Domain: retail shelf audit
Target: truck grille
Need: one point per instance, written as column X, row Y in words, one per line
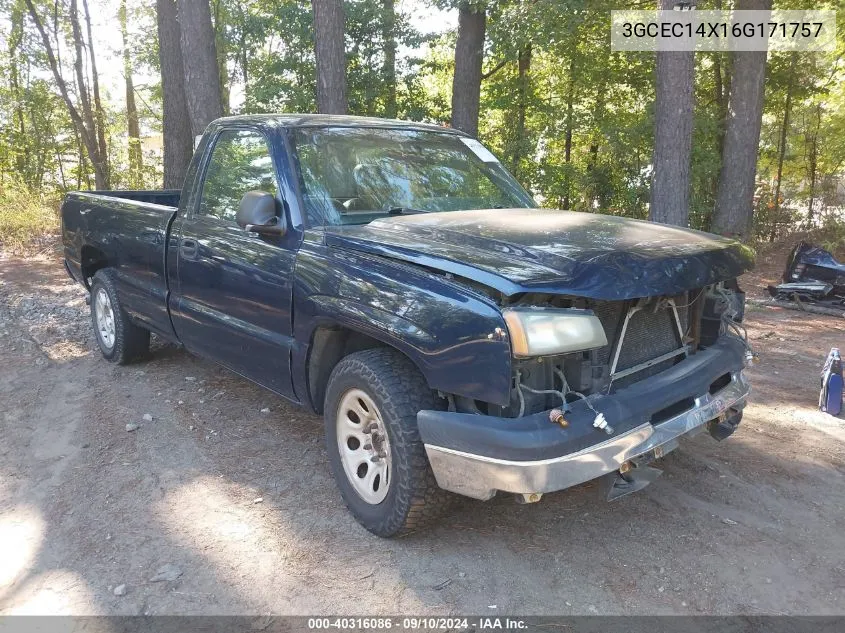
column 650, row 334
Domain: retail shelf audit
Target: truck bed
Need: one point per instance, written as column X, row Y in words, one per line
column 125, row 231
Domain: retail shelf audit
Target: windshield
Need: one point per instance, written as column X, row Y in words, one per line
column 355, row 175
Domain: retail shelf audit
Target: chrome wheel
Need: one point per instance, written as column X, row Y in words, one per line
column 104, row 317
column 364, row 446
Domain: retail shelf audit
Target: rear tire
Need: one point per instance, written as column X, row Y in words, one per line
column 411, row 500
column 120, row 341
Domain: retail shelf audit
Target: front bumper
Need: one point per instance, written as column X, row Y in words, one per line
column 503, row 460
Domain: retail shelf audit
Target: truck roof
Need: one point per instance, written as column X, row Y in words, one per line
column 330, row 120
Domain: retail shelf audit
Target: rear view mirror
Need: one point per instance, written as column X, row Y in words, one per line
column 259, row 213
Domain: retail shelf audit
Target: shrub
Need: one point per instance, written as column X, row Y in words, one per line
column 26, row 218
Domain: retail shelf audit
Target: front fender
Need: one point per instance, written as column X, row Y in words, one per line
column 442, row 327
column 380, row 324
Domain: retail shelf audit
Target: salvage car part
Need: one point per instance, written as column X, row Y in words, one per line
column 830, row 398
column 812, row 274
column 803, row 290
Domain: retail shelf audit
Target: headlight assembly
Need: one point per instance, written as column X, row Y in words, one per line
column 549, row 331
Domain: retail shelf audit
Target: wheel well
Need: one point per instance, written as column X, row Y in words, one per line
column 328, row 346
column 93, row 260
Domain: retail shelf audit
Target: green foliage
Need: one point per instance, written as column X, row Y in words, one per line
column 576, row 89
column 271, row 44
column 39, row 145
column 573, row 120
column 25, row 217
column 428, row 93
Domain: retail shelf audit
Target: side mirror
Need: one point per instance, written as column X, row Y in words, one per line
column 258, row 213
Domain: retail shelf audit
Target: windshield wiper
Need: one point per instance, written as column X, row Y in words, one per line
column 405, row 211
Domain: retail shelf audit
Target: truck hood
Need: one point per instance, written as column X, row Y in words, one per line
column 545, row 250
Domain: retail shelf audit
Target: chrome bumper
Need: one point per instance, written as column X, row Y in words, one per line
column 480, row 477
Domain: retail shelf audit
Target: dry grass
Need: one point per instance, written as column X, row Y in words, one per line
column 27, row 220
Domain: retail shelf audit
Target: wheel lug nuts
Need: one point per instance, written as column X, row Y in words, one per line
column 375, row 458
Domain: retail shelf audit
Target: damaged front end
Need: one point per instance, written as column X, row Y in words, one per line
column 660, row 367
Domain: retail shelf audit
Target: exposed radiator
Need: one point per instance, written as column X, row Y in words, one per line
column 649, row 334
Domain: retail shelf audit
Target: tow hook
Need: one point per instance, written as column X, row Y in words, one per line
column 723, row 427
column 631, row 478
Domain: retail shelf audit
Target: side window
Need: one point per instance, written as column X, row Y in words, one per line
column 240, row 162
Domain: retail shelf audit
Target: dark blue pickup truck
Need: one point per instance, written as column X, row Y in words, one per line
column 395, row 278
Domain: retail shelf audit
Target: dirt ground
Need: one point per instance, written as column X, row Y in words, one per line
column 238, row 505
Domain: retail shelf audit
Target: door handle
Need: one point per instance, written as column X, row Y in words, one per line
column 189, row 249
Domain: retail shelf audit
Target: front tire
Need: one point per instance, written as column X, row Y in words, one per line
column 374, row 447
column 120, row 341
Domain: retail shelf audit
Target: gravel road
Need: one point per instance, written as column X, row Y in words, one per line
column 220, row 502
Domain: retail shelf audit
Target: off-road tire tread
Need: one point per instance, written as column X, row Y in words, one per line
column 400, row 391
column 131, row 342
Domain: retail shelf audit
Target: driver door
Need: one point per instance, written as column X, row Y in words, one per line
column 234, row 290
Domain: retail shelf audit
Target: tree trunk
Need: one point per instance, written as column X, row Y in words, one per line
column 813, row 166
column 81, row 84
column 784, row 131
column 469, row 57
column 735, row 195
column 84, row 126
column 222, row 54
column 523, row 86
column 176, row 121
column 329, row 48
column 242, row 54
column 389, row 68
column 567, row 139
column 673, row 123
column 136, row 157
column 720, row 95
column 94, row 132
column 81, row 163
column 721, row 100
column 15, row 41
column 60, row 163
column 99, row 113
column 199, row 61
